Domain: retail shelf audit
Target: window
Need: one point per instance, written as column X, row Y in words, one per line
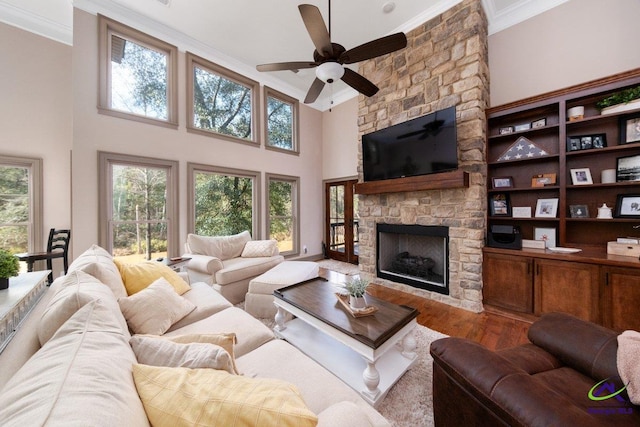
column 138, row 75
column 281, row 121
column 223, row 201
column 283, row 226
column 138, row 206
column 20, row 204
column 221, row 102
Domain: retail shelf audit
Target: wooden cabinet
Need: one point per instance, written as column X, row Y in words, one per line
column 621, row 298
column 511, row 282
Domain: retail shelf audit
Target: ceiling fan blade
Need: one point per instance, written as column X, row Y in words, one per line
column 280, row 66
column 374, row 48
column 317, row 29
column 314, row 91
column 359, row 83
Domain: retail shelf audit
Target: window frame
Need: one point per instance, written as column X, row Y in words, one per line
column 295, row 196
column 295, row 120
column 193, row 168
column 36, row 217
column 105, row 196
column 192, row 61
column 108, row 27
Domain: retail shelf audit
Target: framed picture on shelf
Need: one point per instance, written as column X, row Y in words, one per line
column 506, row 130
column 502, row 182
column 573, row 143
column 630, row 128
column 499, row 205
column 521, row 211
column 581, row 176
column 540, row 123
column 546, row 208
column 543, row 180
column 586, row 142
column 520, row 128
column 546, row 234
column 628, row 168
column 628, row 206
column 579, row 211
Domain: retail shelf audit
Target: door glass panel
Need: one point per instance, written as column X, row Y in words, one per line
column 336, row 220
column 356, row 224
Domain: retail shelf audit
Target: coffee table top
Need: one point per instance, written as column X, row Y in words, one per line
column 317, row 298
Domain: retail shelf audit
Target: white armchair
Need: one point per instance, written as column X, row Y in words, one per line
column 228, row 263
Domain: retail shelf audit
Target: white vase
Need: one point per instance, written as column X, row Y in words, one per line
column 357, row 303
column 631, row 105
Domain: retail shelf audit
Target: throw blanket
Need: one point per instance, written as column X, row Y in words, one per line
column 628, row 360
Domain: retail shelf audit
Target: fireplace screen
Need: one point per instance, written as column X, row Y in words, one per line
column 415, row 255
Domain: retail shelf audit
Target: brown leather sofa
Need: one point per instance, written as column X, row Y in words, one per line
column 543, row 383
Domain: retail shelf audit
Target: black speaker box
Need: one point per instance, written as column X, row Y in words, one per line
column 504, row 236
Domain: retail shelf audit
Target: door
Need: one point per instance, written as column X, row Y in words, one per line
column 341, row 221
column 508, row 282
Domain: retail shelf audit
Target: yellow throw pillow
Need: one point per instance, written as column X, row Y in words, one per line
column 175, row 397
column 138, row 276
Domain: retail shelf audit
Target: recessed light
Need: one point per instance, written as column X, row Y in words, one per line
column 388, row 7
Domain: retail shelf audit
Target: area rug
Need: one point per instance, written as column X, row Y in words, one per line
column 339, row 266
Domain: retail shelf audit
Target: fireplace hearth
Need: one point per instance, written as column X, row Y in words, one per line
column 415, row 255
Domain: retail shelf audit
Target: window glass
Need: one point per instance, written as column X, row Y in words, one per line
column 283, row 213
column 281, row 121
column 15, row 200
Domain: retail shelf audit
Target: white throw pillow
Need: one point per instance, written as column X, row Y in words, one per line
column 222, row 247
column 260, row 248
column 154, row 309
column 156, row 351
column 99, row 263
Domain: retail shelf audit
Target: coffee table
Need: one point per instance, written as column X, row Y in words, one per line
column 368, row 353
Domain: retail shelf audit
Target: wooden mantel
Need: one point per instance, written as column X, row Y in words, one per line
column 436, row 181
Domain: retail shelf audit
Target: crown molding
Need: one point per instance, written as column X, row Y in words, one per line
column 34, row 23
column 437, row 9
column 515, row 13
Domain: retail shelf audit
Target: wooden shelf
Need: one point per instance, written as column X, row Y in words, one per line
column 436, row 181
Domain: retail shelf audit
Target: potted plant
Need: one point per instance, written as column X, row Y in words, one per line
column 623, row 100
column 9, row 266
column 356, row 288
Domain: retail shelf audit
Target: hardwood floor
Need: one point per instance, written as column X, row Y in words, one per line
column 491, row 329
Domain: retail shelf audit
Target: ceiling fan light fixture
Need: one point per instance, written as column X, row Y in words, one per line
column 329, row 72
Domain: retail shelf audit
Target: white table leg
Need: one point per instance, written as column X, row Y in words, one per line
column 409, row 345
column 280, row 316
column 371, row 379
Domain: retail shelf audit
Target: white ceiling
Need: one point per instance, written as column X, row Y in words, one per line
column 241, row 34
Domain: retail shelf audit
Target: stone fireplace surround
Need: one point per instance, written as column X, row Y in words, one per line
column 445, row 64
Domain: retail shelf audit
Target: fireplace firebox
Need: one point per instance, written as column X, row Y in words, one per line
column 416, row 255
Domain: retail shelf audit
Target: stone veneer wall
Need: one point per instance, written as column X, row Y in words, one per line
column 445, row 64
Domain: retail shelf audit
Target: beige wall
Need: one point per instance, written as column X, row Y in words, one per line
column 93, row 132
column 35, row 115
column 576, row 42
column 340, row 141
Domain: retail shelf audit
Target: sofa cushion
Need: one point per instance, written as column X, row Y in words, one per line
column 223, row 247
column 157, row 351
column 99, row 263
column 225, row 340
column 72, row 292
column 260, row 248
column 82, row 376
column 251, row 333
column 237, row 269
column 207, row 302
column 138, row 276
column 187, row 397
column 154, row 309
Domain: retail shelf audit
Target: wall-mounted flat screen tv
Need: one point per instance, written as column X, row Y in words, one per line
column 420, row 146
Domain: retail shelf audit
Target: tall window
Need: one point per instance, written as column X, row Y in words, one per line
column 284, row 211
column 139, row 215
column 221, row 102
column 138, row 75
column 223, row 201
column 20, row 204
column 281, row 121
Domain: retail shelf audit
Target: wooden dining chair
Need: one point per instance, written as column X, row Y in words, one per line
column 57, row 247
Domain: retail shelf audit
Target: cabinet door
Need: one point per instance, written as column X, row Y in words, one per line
column 567, row 287
column 508, row 282
column 621, row 298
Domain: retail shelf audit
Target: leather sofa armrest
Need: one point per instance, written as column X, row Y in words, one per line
column 204, row 263
column 584, row 346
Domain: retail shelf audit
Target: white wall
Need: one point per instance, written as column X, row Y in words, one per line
column 576, row 42
column 36, row 115
column 93, row 132
column 340, row 141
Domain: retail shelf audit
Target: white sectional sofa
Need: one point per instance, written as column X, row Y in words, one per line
column 228, row 263
column 72, row 362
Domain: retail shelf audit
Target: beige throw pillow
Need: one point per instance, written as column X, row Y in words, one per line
column 156, row 351
column 154, row 309
column 260, row 248
column 222, row 247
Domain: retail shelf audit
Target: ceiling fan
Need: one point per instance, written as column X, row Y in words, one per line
column 329, row 57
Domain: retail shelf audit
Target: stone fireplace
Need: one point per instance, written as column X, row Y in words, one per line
column 445, row 64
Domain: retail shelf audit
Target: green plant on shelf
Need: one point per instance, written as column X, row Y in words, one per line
column 621, row 97
column 9, row 264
